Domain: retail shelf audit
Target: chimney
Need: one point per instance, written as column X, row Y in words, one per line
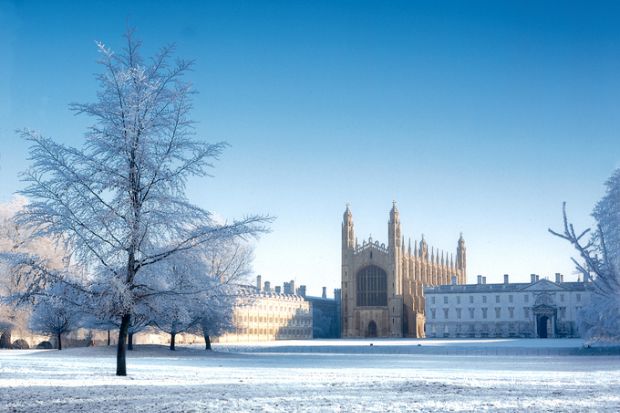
column 454, row 280
column 558, row 277
column 484, row 280
column 278, row 289
column 292, row 283
column 506, row 279
column 532, row 278
column 537, row 277
column 337, row 294
column 301, row 291
column 480, row 279
column 586, row 278
column 267, row 287
column 324, row 295
column 259, row 283
column 561, row 277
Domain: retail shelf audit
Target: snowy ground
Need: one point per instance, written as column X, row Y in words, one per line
column 321, row 375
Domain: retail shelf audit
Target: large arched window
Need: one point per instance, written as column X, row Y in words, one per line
column 371, row 287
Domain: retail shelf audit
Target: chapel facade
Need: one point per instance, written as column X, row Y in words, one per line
column 383, row 286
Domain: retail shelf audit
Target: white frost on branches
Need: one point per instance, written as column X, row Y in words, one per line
column 118, row 203
column 599, row 251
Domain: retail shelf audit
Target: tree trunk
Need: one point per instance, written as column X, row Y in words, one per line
column 5, row 339
column 207, row 342
column 121, row 362
column 130, row 341
column 59, row 341
column 108, row 337
column 172, row 336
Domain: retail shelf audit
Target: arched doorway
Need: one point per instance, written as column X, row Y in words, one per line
column 372, row 329
column 542, row 322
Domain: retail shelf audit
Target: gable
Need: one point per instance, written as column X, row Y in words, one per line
column 543, row 285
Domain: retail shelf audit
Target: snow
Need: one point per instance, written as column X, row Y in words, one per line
column 318, row 375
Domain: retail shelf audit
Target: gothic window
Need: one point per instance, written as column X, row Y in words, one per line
column 371, row 287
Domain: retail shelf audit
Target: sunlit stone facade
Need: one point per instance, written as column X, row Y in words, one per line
column 261, row 315
column 538, row 309
column 382, row 286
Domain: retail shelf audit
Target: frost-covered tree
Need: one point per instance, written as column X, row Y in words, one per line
column 58, row 312
column 216, row 317
column 228, row 267
column 119, row 201
column 182, row 285
column 599, row 252
column 17, row 240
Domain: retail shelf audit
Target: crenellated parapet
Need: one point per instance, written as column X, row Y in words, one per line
column 359, row 249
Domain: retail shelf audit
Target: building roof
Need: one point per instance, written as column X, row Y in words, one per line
column 543, row 284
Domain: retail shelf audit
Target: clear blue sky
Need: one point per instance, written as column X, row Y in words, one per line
column 479, row 117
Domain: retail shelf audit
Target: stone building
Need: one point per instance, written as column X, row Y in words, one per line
column 325, row 315
column 540, row 308
column 263, row 314
column 382, row 286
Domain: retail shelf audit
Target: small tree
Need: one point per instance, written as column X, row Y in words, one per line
column 57, row 313
column 119, row 201
column 217, row 317
column 16, row 241
column 228, row 267
column 599, row 251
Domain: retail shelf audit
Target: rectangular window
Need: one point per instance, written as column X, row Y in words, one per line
column 484, row 313
column 484, row 299
column 526, row 312
column 433, row 300
column 432, row 313
column 526, row 298
column 471, row 299
column 446, row 313
column 498, row 312
column 562, row 297
column 471, row 313
column 562, row 312
column 458, row 313
column 511, row 312
column 445, row 299
column 578, row 297
column 458, row 299
column 497, row 298
column 510, row 298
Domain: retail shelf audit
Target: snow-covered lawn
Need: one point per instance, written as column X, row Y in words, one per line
column 320, row 375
